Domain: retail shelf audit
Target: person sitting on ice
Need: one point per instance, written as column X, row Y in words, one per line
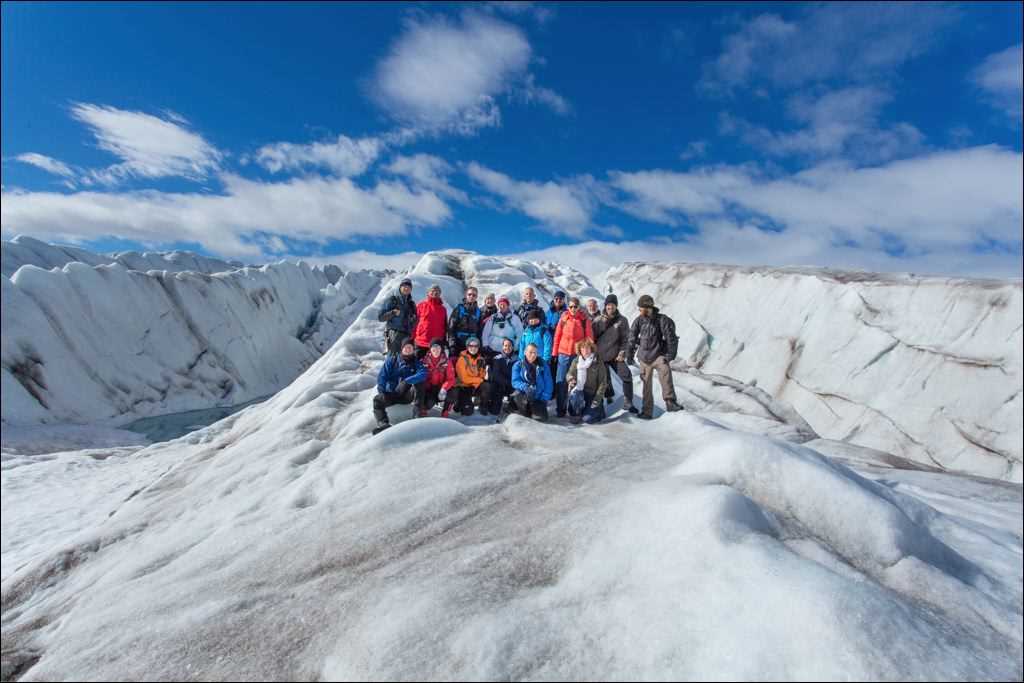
column 531, row 380
column 397, row 382
column 504, row 324
column 465, row 380
column 499, row 381
column 432, row 390
column 587, row 381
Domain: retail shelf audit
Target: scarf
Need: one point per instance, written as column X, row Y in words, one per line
column 582, row 364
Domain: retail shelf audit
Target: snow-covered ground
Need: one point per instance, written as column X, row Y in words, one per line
column 107, row 344
column 286, row 542
column 924, row 368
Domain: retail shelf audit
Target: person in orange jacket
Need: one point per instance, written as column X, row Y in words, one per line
column 432, row 320
column 574, row 326
column 465, row 380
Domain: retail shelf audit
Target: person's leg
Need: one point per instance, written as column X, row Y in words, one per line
column 486, row 398
column 591, row 414
column 668, row 391
column 465, row 404
column 609, row 391
column 539, row 411
column 561, row 388
column 576, row 404
column 452, row 398
column 380, row 402
column 519, row 398
column 647, row 377
column 622, row 370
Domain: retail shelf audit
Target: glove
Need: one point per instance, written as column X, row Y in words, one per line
column 395, row 313
column 595, row 404
column 571, row 382
column 402, row 387
column 621, row 357
column 442, row 394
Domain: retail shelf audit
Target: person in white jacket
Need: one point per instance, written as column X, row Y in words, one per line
column 504, row 324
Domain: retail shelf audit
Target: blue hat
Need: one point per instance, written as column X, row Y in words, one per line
column 559, row 294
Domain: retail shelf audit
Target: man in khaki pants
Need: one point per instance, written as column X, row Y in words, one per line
column 653, row 342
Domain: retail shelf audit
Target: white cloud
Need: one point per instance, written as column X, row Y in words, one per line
column 48, row 164
column 563, row 209
column 829, row 40
column 1001, row 77
column 956, row 199
column 843, row 121
column 344, row 156
column 534, row 93
column 427, row 171
column 149, row 146
column 446, row 75
column 694, row 150
column 311, row 208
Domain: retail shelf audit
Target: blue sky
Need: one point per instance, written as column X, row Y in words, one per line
column 884, row 137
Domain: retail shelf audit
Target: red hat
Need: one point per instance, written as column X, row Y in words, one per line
column 503, row 298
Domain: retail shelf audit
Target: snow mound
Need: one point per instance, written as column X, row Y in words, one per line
column 285, row 542
column 928, row 369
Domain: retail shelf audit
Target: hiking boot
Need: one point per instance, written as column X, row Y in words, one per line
column 445, row 412
column 633, row 409
column 672, row 406
column 423, row 412
column 645, row 416
column 575, row 419
column 609, row 399
column 467, row 411
column 381, row 426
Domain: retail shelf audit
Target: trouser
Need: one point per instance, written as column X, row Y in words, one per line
column 493, row 395
column 427, row 397
column 462, row 398
column 382, row 401
column 536, row 409
column 393, row 341
column 621, row 368
column 647, row 370
column 580, row 404
column 561, row 388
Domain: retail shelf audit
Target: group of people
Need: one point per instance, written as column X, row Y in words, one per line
column 502, row 360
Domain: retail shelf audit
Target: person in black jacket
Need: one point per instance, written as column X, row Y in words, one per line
column 399, row 317
column 654, row 344
column 528, row 304
column 611, row 332
column 499, row 380
column 466, row 320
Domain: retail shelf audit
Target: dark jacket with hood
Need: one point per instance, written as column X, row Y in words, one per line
column 465, row 321
column 405, row 321
column 500, row 373
column 611, row 335
column 650, row 337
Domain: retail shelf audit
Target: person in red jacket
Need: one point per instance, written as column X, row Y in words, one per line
column 432, row 320
column 574, row 326
column 432, row 390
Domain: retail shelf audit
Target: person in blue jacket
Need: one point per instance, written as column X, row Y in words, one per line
column 536, row 333
column 531, row 380
column 398, row 382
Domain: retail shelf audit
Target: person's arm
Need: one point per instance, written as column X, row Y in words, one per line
column 451, row 375
column 485, row 337
column 668, row 331
column 634, row 340
column 419, row 375
column 382, row 376
column 387, row 311
column 558, row 336
column 546, row 351
column 570, row 377
column 517, row 326
column 622, row 339
column 588, row 328
column 518, row 381
column 602, row 383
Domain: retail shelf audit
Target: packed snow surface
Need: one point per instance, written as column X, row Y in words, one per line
column 920, row 367
column 286, row 542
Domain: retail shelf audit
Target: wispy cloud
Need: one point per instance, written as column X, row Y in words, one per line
column 560, row 208
column 149, row 146
column 854, row 41
column 838, row 122
column 343, row 156
column 1001, row 78
column 48, row 164
column 310, row 208
column 429, row 172
column 446, row 75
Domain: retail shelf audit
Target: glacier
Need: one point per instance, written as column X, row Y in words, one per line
column 738, row 540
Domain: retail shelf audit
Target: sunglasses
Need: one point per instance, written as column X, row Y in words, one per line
column 573, row 307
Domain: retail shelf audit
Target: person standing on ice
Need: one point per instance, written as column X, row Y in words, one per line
column 488, row 309
column 531, row 380
column 654, row 344
column 527, row 305
column 611, row 331
column 397, row 382
column 432, row 390
column 432, row 320
column 465, row 321
column 501, row 326
column 573, row 327
column 499, row 380
column 465, row 379
column 399, row 315
column 538, row 334
column 587, row 380
column 551, row 318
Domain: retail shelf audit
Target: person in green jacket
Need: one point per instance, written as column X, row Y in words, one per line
column 587, row 379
